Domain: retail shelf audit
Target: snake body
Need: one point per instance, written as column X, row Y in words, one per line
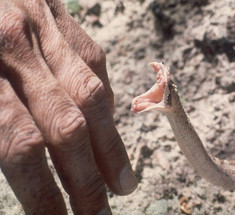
column 217, row 171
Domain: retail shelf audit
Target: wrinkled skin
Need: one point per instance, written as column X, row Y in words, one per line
column 55, row 93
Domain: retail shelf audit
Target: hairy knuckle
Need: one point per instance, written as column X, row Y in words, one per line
column 20, row 145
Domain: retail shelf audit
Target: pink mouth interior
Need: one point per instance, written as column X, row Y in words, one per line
column 154, row 95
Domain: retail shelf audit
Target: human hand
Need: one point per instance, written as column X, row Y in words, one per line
column 55, row 93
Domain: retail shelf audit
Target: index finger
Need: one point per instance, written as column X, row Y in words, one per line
column 88, row 92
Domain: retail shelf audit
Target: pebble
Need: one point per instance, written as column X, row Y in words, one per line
column 158, row 207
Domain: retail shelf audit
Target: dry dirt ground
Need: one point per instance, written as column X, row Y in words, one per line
column 197, row 40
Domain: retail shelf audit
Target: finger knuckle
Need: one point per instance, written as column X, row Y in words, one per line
column 21, row 144
column 92, row 97
column 94, row 55
column 12, row 28
column 71, row 127
column 91, row 90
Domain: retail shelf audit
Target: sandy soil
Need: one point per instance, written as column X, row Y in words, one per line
column 197, row 40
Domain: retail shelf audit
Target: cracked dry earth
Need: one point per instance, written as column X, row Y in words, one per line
column 197, row 40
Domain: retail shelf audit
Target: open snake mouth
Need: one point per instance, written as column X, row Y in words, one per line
column 156, row 98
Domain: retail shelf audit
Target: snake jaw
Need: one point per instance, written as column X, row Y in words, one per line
column 158, row 96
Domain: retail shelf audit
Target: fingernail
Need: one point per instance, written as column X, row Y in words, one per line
column 128, row 181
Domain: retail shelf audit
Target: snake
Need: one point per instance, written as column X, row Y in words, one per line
column 163, row 96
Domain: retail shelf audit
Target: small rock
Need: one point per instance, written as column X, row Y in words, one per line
column 162, row 160
column 158, row 207
column 94, row 10
column 219, row 198
column 232, row 97
column 127, row 76
column 231, row 29
column 140, row 53
column 119, row 8
column 163, row 21
column 211, row 135
column 227, row 82
column 94, row 20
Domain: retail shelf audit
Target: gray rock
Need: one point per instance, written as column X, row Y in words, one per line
column 158, row 207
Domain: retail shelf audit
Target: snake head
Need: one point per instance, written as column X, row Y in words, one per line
column 161, row 96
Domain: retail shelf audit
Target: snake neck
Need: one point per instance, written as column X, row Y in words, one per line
column 217, row 171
